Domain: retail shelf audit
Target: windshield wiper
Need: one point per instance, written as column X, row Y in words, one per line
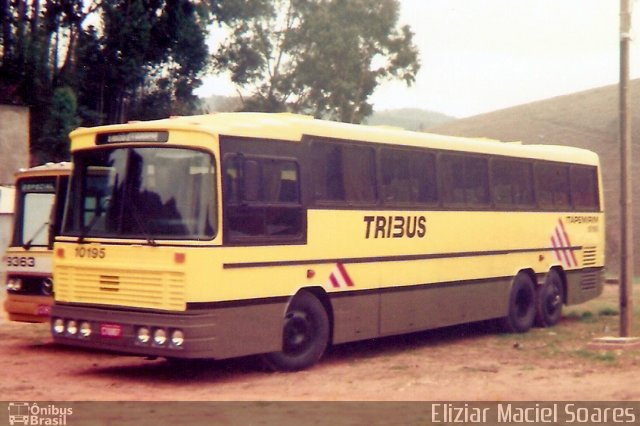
column 88, row 228
column 28, row 244
column 142, row 227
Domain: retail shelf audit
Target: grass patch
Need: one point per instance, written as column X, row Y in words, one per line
column 584, row 316
column 399, row 367
column 588, row 317
column 567, row 341
column 608, row 312
column 607, row 357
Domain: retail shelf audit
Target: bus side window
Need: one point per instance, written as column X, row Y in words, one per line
column 408, row 177
column 251, row 181
column 477, row 182
column 584, row 188
column 262, row 199
column 452, row 176
column 512, row 184
column 552, row 186
column 343, row 173
column 465, row 181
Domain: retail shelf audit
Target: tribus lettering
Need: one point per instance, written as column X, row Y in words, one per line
column 395, row 226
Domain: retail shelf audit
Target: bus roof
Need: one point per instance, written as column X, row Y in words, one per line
column 292, row 127
column 47, row 169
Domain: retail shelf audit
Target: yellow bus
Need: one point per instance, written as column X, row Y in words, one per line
column 246, row 233
column 39, row 201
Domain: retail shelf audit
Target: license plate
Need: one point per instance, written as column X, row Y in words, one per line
column 43, row 310
column 113, row 331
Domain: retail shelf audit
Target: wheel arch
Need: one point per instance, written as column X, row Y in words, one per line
column 320, row 294
column 563, row 277
column 529, row 272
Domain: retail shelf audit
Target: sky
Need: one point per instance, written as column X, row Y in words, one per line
column 484, row 55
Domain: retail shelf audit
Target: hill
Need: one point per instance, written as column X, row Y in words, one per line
column 586, row 119
column 407, row 118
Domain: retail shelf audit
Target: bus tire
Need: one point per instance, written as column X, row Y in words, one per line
column 305, row 335
column 522, row 305
column 549, row 300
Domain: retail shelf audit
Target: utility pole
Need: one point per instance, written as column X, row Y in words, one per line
column 626, row 224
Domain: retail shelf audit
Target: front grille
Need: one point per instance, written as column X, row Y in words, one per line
column 589, row 255
column 589, row 280
column 125, row 287
column 109, row 283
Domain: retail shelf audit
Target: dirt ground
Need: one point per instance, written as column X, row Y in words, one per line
column 466, row 363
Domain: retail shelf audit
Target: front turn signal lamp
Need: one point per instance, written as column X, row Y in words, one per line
column 143, row 335
column 85, row 329
column 58, row 326
column 72, row 327
column 177, row 338
column 159, row 336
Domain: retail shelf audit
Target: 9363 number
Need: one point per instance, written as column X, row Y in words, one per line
column 21, row 262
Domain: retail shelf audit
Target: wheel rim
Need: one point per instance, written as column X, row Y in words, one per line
column 298, row 333
column 553, row 300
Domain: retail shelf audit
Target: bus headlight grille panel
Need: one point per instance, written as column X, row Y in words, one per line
column 137, row 288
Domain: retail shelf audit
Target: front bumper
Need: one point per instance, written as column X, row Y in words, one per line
column 28, row 308
column 216, row 333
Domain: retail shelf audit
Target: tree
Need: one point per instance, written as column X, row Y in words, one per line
column 153, row 50
column 53, row 145
column 179, row 49
column 321, row 57
column 90, row 78
column 138, row 59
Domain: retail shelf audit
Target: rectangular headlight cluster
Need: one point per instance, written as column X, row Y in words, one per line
column 71, row 328
column 160, row 337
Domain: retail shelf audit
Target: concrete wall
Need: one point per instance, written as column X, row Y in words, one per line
column 14, row 141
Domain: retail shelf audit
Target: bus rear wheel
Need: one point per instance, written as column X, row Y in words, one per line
column 549, row 300
column 522, row 305
column 305, row 335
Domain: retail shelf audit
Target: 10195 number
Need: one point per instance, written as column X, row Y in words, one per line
column 91, row 252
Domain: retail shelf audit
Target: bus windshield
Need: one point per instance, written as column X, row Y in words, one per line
column 145, row 193
column 36, row 199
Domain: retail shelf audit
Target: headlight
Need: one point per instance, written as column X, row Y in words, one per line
column 14, row 284
column 85, row 329
column 177, row 338
column 159, row 336
column 72, row 327
column 47, row 286
column 58, row 326
column 143, row 335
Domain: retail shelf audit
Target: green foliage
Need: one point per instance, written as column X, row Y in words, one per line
column 608, row 311
column 606, row 356
column 136, row 59
column 153, row 51
column 62, row 119
column 320, row 57
column 91, row 62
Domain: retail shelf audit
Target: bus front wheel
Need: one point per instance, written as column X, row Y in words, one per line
column 305, row 335
column 549, row 300
column 522, row 305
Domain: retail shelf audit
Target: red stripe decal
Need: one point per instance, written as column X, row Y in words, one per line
column 333, row 280
column 563, row 246
column 573, row 256
column 555, row 248
column 345, row 275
